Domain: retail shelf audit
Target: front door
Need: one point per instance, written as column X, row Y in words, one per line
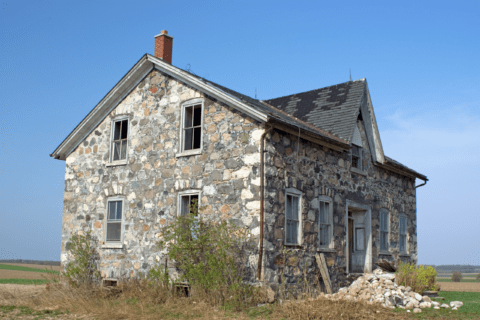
column 359, row 244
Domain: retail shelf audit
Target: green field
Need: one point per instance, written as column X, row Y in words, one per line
column 469, row 310
column 23, row 281
column 18, row 268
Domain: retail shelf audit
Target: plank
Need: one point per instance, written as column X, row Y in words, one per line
column 324, row 271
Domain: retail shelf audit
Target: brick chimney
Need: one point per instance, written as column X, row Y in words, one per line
column 163, row 46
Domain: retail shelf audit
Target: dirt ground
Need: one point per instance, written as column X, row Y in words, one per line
column 459, row 286
column 34, row 266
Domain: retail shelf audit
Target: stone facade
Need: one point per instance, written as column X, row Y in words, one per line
column 316, row 170
column 226, row 173
column 227, row 176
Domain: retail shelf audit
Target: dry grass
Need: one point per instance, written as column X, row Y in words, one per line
column 460, row 286
column 138, row 300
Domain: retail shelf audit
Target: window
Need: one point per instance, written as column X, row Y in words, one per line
column 293, row 217
column 384, row 230
column 325, row 233
column 114, row 221
column 356, row 149
column 192, row 126
column 356, row 157
column 186, row 201
column 119, row 140
column 403, row 233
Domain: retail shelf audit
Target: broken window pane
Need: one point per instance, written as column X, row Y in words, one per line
column 197, row 135
column 124, row 129
column 116, row 130
column 188, row 117
column 193, row 200
column 197, row 115
column 188, row 139
column 123, row 153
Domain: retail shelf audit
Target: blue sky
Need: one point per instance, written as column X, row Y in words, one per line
column 420, row 58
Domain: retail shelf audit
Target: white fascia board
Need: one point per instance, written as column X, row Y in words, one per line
column 103, row 108
column 371, row 127
column 209, row 89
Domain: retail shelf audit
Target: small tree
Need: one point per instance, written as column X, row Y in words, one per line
column 457, row 276
column 478, row 276
column 82, row 269
column 211, row 255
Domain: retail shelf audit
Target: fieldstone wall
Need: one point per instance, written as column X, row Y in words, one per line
column 317, row 170
column 226, row 174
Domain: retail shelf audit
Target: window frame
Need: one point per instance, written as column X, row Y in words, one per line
column 360, row 158
column 112, row 136
column 115, row 244
column 295, row 193
column 186, row 104
column 384, row 212
column 405, row 251
column 188, row 192
column 326, row 199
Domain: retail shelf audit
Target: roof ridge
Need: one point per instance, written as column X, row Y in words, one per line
column 288, row 95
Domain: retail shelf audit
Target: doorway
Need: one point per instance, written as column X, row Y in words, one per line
column 359, row 239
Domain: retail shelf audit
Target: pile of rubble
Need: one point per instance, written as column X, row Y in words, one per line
column 380, row 287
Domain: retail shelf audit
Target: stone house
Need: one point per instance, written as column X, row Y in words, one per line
column 304, row 172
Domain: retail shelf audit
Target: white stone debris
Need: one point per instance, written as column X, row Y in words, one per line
column 380, row 288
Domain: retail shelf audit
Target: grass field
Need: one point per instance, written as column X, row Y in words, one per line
column 469, row 310
column 23, row 281
column 21, row 268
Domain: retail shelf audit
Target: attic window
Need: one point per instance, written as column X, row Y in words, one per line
column 120, row 140
column 356, row 157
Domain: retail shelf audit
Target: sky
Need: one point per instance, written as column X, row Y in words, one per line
column 58, row 59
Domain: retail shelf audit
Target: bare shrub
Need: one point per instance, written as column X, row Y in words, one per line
column 478, row 277
column 457, row 276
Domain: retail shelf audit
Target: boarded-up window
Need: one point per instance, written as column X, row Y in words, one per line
column 403, row 234
column 292, row 219
column 192, row 127
column 384, row 230
column 119, row 141
column 325, row 223
column 114, row 221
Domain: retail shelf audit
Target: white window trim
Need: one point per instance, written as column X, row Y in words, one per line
column 183, row 152
column 115, row 244
column 188, row 193
column 383, row 251
column 111, row 162
column 402, row 215
column 324, row 198
column 297, row 193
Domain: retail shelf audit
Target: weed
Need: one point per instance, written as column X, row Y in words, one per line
column 82, row 268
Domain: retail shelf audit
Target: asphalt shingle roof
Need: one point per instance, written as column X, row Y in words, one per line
column 333, row 109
